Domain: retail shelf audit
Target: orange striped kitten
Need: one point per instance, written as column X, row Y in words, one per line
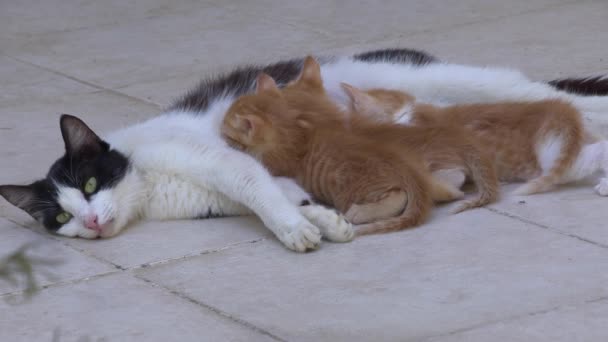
column 541, row 142
column 377, row 186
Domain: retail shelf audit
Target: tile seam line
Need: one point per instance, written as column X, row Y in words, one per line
column 158, row 263
column 62, row 283
column 118, row 268
column 87, row 83
column 538, row 225
column 514, row 318
column 69, row 246
column 210, row 308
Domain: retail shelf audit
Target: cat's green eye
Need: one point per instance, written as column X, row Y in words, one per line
column 90, row 186
column 63, row 217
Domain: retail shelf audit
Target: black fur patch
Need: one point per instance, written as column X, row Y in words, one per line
column 208, row 215
column 238, row 82
column 305, row 203
column 583, row 86
column 401, row 56
column 242, row 80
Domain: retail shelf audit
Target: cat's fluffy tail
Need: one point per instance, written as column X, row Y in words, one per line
column 590, row 86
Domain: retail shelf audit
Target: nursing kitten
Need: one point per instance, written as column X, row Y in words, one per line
column 541, row 142
column 294, row 135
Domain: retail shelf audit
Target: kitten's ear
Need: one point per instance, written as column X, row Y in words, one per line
column 248, row 125
column 360, row 101
column 266, row 83
column 79, row 139
column 21, row 196
column 311, row 73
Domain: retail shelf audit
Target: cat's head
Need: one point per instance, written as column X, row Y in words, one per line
column 88, row 192
column 381, row 105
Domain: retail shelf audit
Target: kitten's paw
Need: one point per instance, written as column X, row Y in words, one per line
column 602, row 187
column 301, row 238
column 334, row 227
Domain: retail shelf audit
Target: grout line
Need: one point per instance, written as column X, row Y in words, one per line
column 193, row 255
column 61, row 283
column 213, row 309
column 530, row 222
column 119, row 268
column 87, row 83
column 66, row 244
column 515, row 318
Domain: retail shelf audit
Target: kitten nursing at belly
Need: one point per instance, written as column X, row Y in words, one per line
column 380, row 185
column 541, row 142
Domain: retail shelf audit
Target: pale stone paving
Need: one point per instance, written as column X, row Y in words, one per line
column 530, row 269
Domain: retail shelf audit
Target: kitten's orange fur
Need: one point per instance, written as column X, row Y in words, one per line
column 370, row 176
column 513, row 132
column 376, row 186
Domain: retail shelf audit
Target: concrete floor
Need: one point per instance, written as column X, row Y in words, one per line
column 517, row 271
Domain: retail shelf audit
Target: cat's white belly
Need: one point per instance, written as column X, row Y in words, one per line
column 172, row 197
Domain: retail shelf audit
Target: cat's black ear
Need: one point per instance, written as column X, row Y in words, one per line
column 21, row 196
column 79, row 139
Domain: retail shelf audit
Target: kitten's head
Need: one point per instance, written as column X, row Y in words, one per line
column 273, row 119
column 382, row 105
column 255, row 122
column 87, row 193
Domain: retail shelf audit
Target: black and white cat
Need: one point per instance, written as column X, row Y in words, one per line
column 177, row 166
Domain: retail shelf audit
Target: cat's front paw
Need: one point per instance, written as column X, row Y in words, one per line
column 334, row 227
column 301, row 238
column 602, row 187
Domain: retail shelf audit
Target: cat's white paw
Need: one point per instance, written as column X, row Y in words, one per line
column 301, row 238
column 602, row 187
column 334, row 227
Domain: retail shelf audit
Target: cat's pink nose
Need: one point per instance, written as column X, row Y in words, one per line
column 91, row 223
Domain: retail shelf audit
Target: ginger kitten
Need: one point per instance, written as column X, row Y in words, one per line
column 541, row 142
column 376, row 186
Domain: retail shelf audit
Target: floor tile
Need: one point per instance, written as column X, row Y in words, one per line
column 116, row 308
column 454, row 273
column 58, row 263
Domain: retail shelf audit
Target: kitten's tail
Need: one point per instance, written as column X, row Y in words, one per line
column 565, row 131
column 483, row 173
column 418, row 205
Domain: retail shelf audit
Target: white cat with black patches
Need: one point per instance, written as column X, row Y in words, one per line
column 177, row 166
column 174, row 166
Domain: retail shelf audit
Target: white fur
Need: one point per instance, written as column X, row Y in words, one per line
column 548, row 151
column 183, row 169
column 403, row 115
column 592, row 159
column 292, row 190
